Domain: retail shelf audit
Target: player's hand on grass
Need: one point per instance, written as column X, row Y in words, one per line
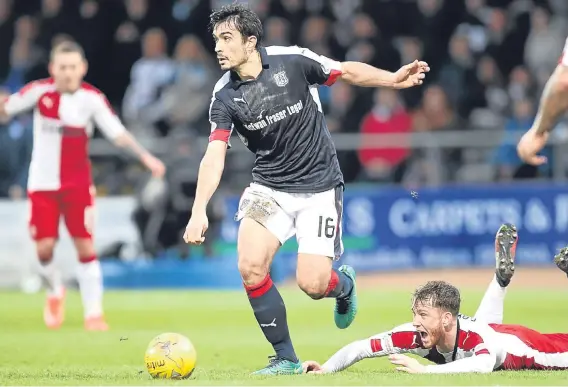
column 155, row 166
column 407, row 364
column 195, row 230
column 312, row 367
column 530, row 144
column 410, row 75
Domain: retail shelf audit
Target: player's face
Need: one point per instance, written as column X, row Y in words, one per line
column 68, row 70
column 428, row 321
column 231, row 48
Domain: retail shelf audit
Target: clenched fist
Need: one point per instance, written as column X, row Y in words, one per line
column 195, row 230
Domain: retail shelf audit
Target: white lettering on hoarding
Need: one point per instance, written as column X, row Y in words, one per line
column 561, row 207
column 537, row 218
column 407, row 218
column 360, row 217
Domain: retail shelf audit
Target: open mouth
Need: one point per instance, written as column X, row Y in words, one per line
column 423, row 334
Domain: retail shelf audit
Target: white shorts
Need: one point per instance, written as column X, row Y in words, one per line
column 315, row 218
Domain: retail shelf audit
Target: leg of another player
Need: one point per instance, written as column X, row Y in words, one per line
column 89, row 276
column 490, row 309
column 256, row 249
column 53, row 313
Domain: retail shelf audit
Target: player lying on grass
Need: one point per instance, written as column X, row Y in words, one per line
column 457, row 343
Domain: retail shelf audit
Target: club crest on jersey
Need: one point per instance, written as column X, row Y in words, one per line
column 47, row 102
column 280, row 78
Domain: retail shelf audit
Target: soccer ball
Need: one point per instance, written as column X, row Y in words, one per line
column 170, row 356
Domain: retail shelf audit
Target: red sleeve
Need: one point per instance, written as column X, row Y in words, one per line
column 468, row 340
column 472, row 341
column 400, row 340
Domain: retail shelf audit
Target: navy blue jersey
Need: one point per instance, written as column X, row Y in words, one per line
column 278, row 116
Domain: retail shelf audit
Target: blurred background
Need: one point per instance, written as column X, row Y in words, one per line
column 451, row 142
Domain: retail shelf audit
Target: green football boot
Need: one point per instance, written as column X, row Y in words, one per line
column 279, row 366
column 346, row 307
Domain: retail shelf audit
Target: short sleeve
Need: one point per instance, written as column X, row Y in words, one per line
column 105, row 118
column 221, row 122
column 402, row 339
column 27, row 98
column 318, row 69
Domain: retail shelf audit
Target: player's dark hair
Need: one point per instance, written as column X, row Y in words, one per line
column 68, row 46
column 241, row 17
column 438, row 294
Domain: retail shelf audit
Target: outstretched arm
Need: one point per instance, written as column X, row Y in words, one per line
column 25, row 99
column 361, row 74
column 109, row 123
column 348, row 355
column 553, row 102
column 402, row 339
column 321, row 70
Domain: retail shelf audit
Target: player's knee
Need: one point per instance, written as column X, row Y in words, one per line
column 85, row 249
column 45, row 248
column 252, row 269
column 313, row 286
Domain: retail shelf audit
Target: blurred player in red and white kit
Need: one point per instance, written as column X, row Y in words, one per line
column 60, row 184
column 457, row 343
column 553, row 104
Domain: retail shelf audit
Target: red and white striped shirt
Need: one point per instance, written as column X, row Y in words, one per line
column 480, row 348
column 63, row 124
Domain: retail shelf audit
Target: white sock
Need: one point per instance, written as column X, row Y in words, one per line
column 51, row 276
column 490, row 309
column 90, row 280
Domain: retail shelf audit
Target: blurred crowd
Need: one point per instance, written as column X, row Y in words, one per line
column 154, row 59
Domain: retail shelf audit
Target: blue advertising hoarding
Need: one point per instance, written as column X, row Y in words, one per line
column 390, row 229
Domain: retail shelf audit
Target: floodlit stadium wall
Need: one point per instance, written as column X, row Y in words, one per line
column 383, row 229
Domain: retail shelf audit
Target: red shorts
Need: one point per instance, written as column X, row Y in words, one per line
column 75, row 204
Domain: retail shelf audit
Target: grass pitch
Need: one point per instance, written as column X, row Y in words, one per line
column 229, row 343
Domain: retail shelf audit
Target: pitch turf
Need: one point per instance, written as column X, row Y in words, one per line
column 229, row 343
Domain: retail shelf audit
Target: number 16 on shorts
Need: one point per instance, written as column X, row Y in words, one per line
column 326, row 227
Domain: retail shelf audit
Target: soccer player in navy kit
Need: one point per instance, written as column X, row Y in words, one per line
column 269, row 97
